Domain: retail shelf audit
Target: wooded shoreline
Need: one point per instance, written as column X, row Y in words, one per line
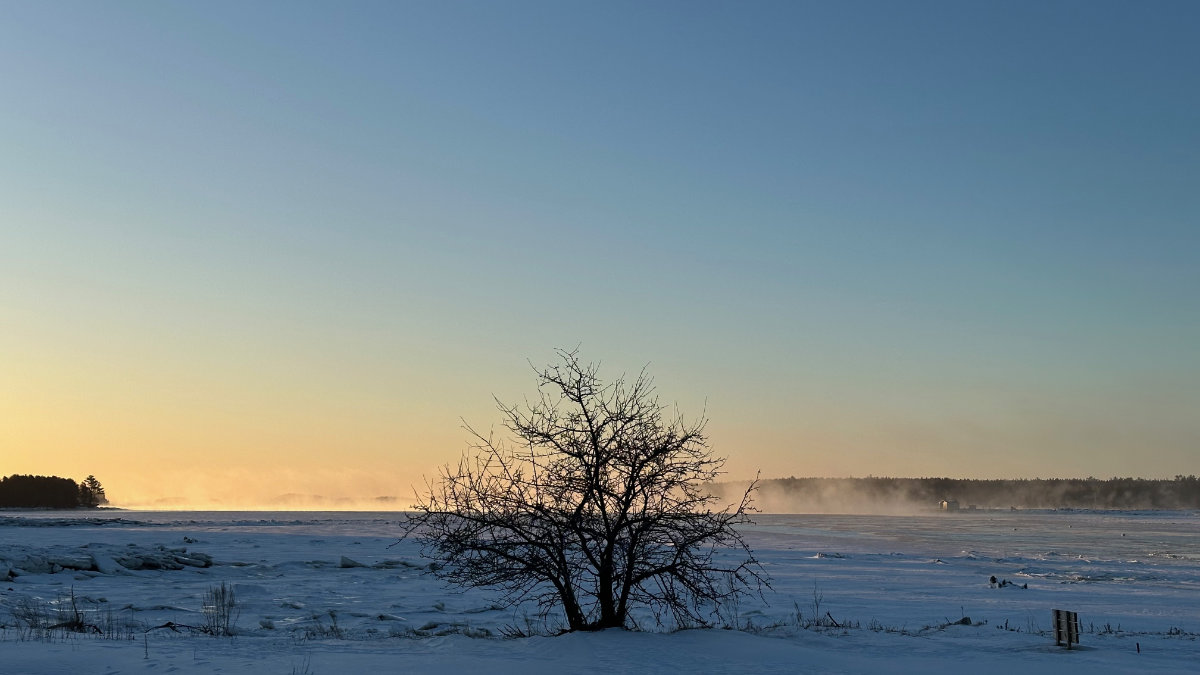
column 1181, row 492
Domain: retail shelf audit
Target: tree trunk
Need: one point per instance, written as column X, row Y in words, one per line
column 575, row 618
column 609, row 616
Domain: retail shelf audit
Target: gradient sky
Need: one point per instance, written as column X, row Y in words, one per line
column 249, row 249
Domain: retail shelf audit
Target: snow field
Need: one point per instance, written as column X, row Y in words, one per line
column 330, row 593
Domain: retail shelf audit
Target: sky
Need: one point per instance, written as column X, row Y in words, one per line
column 254, row 249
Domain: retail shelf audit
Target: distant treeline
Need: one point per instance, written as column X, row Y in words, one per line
column 1183, row 492
column 50, row 492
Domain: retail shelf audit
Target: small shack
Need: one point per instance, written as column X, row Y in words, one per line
column 949, row 505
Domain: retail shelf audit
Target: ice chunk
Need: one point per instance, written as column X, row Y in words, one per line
column 106, row 565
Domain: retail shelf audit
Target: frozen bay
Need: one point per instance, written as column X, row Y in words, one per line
column 327, row 592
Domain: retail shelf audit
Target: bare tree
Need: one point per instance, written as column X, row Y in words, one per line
column 598, row 505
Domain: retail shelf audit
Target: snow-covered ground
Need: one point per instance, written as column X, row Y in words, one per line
column 323, row 593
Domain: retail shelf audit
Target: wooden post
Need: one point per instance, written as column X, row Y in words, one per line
column 1066, row 628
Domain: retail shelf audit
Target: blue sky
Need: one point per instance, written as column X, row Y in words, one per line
column 923, row 238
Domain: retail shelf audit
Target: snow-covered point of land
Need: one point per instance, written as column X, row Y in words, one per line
column 334, row 593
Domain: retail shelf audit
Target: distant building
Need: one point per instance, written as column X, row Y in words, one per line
column 949, row 505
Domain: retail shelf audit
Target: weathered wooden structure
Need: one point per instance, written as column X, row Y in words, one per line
column 1066, row 628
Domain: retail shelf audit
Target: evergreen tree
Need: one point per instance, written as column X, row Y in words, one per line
column 91, row 493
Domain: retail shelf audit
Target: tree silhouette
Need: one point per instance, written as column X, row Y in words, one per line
column 91, row 493
column 38, row 492
column 600, row 505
